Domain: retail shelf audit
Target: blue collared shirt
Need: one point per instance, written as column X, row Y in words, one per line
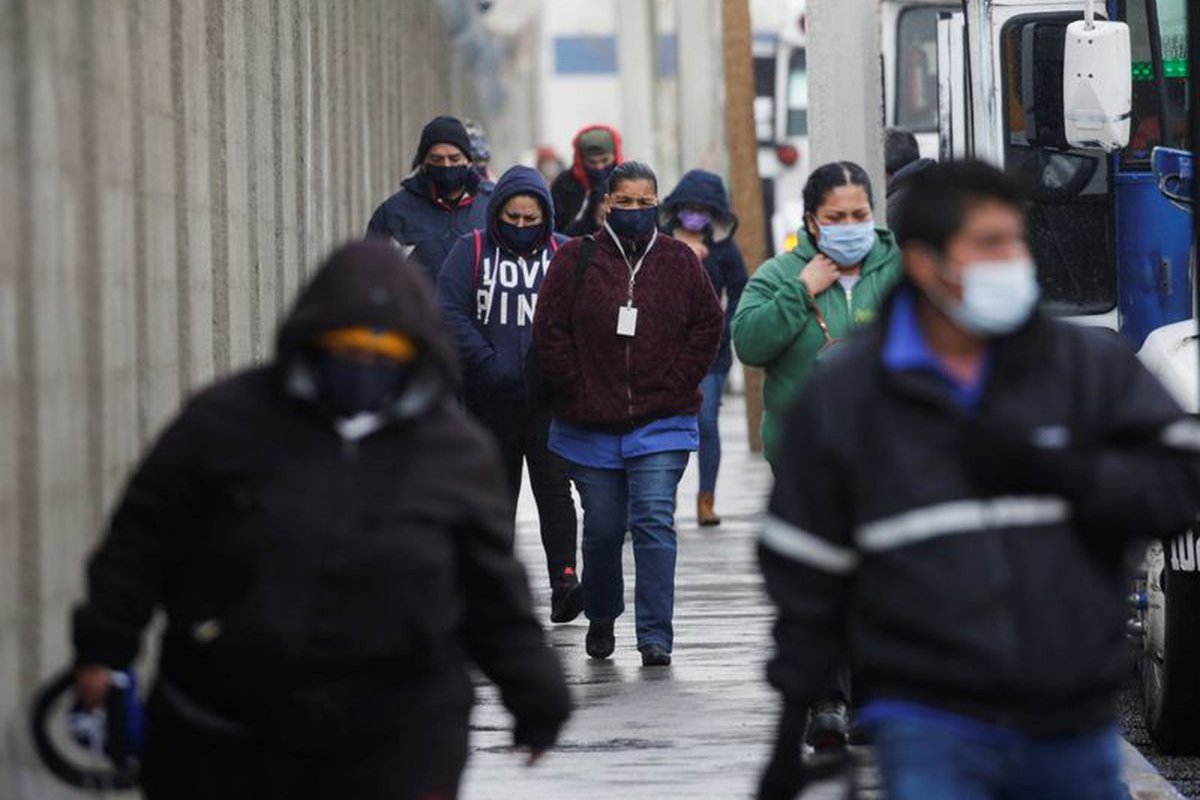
column 610, row 450
column 906, row 349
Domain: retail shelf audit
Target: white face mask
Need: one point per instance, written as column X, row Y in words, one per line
column 998, row 297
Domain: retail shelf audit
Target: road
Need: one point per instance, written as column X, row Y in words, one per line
column 700, row 728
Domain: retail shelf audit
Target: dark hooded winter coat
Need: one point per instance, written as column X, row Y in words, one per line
column 897, row 188
column 321, row 591
column 575, row 197
column 725, row 266
column 425, row 225
column 488, row 293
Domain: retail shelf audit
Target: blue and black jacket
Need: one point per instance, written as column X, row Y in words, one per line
column 425, row 225
column 488, row 293
column 724, row 265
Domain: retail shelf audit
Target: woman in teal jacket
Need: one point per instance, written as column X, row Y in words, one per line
column 833, row 281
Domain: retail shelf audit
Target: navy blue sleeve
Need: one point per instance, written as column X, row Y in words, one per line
column 733, row 266
column 378, row 224
column 456, row 287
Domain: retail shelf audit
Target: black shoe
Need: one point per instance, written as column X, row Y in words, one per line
column 828, row 726
column 655, row 655
column 566, row 598
column 600, row 641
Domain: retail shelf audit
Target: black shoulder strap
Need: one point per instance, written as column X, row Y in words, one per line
column 581, row 264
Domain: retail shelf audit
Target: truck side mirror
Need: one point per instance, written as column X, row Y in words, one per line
column 1175, row 174
column 1097, row 85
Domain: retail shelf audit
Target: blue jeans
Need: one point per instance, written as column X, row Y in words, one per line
column 710, row 435
column 641, row 499
column 921, row 759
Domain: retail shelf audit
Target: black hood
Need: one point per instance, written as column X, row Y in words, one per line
column 904, row 176
column 520, row 180
column 699, row 187
column 369, row 283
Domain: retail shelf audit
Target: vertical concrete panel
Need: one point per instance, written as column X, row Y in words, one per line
column 302, row 22
column 319, row 185
column 261, row 47
column 283, row 135
column 156, row 191
column 191, row 66
column 110, row 149
column 240, row 192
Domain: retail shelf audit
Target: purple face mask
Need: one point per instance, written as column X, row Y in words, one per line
column 694, row 221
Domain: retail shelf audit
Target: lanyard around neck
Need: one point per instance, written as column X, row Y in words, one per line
column 633, row 268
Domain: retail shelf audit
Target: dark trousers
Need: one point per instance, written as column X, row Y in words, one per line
column 183, row 762
column 522, row 432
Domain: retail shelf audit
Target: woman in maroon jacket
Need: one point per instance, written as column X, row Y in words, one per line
column 627, row 326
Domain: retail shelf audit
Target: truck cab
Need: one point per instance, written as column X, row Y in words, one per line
column 1111, row 236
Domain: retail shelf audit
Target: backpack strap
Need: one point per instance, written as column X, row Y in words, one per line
column 582, row 263
column 478, row 234
column 553, row 243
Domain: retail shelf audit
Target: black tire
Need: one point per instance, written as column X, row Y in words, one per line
column 1171, row 687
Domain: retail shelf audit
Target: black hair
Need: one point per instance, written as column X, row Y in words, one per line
column 825, row 179
column 631, row 171
column 937, row 201
column 899, row 149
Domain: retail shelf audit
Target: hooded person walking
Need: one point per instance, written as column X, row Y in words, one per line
column 331, row 541
column 488, row 290
column 697, row 213
column 441, row 200
column 579, row 191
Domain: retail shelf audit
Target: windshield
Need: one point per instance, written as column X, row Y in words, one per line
column 797, row 94
column 916, row 69
column 1160, row 113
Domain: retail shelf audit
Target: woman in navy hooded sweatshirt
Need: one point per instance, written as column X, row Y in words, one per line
column 488, row 289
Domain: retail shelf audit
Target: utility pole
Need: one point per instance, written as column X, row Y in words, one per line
column 635, row 60
column 745, row 182
column 845, row 86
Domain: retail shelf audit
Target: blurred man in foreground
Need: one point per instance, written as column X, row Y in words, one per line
column 330, row 538
column 957, row 492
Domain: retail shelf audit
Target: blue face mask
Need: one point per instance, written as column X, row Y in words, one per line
column 635, row 224
column 519, row 240
column 847, row 245
column 347, row 387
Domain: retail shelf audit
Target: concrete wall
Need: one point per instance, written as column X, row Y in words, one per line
column 170, row 170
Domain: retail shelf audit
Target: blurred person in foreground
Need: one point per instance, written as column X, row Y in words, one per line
column 697, row 213
column 488, row 290
column 957, row 495
column 579, row 191
column 442, row 198
column 331, row 540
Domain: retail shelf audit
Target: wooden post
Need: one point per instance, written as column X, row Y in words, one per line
column 746, row 184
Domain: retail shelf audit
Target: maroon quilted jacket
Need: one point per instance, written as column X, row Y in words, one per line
column 606, row 382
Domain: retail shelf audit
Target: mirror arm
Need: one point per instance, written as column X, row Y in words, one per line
column 1089, row 13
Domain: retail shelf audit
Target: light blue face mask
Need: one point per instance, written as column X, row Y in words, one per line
column 847, row 245
column 998, row 297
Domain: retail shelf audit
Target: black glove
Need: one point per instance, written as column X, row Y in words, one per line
column 1003, row 457
column 538, row 734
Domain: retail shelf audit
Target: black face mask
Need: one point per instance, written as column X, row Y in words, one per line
column 519, row 240
column 599, row 175
column 347, row 387
column 635, row 224
column 448, row 179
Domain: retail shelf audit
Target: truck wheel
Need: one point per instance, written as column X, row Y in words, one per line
column 1170, row 671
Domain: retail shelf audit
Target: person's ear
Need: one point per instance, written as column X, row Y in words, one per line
column 810, row 225
column 920, row 262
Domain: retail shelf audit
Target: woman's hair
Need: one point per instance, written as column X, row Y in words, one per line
column 825, row 179
column 632, row 171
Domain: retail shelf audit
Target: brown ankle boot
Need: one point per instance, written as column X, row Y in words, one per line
column 704, row 511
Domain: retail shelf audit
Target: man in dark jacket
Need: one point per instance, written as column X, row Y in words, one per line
column 441, row 200
column 579, row 191
column 330, row 539
column 962, row 486
column 902, row 161
column 488, row 289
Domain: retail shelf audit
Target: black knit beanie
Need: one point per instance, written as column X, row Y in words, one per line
column 443, row 130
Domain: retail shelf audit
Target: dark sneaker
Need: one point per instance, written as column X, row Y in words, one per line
column 566, row 598
column 655, row 655
column 828, row 726
column 600, row 641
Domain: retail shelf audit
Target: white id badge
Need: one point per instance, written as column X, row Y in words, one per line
column 627, row 321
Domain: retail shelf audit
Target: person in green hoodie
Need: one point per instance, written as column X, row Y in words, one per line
column 833, row 281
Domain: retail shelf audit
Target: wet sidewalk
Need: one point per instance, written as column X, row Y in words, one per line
column 700, row 728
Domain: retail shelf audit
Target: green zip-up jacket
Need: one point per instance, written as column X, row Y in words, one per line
column 774, row 326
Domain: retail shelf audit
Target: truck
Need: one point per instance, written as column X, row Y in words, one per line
column 1109, row 223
